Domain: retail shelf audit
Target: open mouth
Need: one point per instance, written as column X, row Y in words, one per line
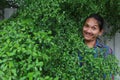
column 86, row 34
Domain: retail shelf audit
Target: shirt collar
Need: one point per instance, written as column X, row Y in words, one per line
column 98, row 44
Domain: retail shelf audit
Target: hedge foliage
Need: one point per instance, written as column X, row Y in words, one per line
column 41, row 42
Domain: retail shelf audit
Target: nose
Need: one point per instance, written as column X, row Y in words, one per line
column 88, row 30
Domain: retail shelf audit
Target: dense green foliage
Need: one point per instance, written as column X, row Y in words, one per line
column 41, row 42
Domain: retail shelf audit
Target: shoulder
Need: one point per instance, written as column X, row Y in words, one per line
column 108, row 49
column 104, row 47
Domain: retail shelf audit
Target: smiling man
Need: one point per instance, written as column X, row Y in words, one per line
column 92, row 29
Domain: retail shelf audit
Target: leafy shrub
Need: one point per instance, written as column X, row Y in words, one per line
column 23, row 50
column 41, row 42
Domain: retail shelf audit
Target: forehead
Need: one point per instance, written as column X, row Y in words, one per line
column 92, row 22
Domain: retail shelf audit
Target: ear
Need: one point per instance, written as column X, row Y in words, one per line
column 101, row 32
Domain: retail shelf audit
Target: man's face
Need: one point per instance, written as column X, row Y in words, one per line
column 91, row 29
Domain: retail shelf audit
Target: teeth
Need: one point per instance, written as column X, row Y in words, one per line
column 88, row 34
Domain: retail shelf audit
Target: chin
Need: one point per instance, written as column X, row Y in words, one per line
column 88, row 39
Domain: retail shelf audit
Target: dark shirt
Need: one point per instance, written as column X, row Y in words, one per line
column 100, row 47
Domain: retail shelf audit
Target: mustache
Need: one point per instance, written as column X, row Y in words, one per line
column 87, row 33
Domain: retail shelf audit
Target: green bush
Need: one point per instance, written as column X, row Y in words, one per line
column 41, row 42
column 23, row 50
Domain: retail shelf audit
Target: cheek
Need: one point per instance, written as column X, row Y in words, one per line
column 84, row 29
column 96, row 33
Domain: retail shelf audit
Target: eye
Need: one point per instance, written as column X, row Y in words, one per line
column 86, row 25
column 94, row 28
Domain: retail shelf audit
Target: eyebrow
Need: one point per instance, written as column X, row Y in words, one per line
column 95, row 25
column 92, row 26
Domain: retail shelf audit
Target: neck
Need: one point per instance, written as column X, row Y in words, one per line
column 90, row 44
